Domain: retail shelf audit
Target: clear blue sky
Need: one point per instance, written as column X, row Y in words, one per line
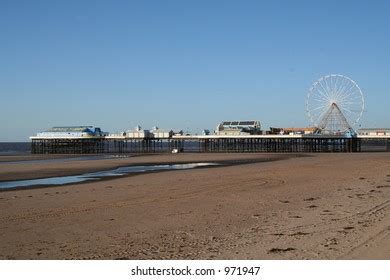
column 184, row 64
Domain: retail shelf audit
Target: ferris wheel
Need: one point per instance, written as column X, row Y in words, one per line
column 334, row 104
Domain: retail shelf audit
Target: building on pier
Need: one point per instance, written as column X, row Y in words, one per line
column 72, row 132
column 292, row 130
column 233, row 128
column 157, row 132
column 139, row 133
column 374, row 131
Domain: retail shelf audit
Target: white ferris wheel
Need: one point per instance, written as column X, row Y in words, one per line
column 334, row 104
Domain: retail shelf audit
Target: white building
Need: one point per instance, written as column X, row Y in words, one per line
column 138, row 132
column 374, row 131
column 238, row 128
column 161, row 133
column 156, row 132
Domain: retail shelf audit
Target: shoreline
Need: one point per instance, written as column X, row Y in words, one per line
column 23, row 171
column 219, row 164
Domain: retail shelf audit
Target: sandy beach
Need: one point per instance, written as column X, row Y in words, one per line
column 272, row 206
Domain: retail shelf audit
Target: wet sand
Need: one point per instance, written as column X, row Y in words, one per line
column 324, row 206
column 49, row 166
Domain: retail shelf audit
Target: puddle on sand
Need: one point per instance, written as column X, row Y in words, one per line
column 121, row 171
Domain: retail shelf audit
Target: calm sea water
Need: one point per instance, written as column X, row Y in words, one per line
column 15, row 148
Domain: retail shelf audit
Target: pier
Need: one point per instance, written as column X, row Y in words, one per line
column 210, row 144
column 229, row 137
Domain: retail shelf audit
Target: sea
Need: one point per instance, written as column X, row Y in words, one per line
column 14, row 148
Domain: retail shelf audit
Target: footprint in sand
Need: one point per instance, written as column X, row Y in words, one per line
column 284, row 201
column 375, row 191
column 312, row 206
column 346, row 230
column 383, row 186
column 299, row 233
column 121, row 258
column 280, row 250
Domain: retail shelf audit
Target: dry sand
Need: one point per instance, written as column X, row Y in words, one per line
column 324, row 206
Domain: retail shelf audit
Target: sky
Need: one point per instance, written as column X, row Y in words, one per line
column 184, row 64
